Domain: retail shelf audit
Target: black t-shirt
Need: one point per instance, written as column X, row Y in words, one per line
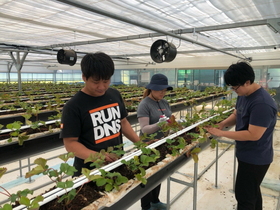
column 96, row 121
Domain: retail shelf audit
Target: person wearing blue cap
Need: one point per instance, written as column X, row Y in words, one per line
column 152, row 110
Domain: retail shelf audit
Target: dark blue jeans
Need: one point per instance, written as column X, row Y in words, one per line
column 247, row 186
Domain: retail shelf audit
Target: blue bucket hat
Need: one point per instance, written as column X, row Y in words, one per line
column 159, row 82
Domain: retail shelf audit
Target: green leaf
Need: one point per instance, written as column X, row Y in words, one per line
column 67, row 169
column 24, row 192
column 21, row 138
column 67, row 156
column 41, row 161
column 71, row 194
column 14, row 133
column 101, row 182
column 139, row 177
column 108, row 187
column 35, row 171
column 196, row 150
column 53, row 173
column 143, row 171
column 35, row 202
column 24, row 201
column 213, row 143
column 65, row 185
column 103, row 172
column 13, row 198
column 7, row 207
column 110, row 149
column 2, row 171
column 195, row 158
column 121, row 179
column 85, row 172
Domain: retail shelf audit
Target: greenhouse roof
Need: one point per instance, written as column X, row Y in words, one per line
column 33, row 31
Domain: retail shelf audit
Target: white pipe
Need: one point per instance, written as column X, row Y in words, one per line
column 28, row 126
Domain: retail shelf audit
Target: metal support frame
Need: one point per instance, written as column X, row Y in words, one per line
column 219, row 155
column 196, row 177
column 278, row 203
column 192, row 184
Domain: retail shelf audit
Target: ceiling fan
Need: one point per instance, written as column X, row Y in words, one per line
column 163, row 51
column 67, row 57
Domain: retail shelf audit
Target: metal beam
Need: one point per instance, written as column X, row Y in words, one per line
column 126, row 20
column 178, row 31
column 210, row 50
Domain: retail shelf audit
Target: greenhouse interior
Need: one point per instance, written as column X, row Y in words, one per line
column 191, row 43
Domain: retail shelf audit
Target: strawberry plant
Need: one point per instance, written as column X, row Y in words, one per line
column 19, row 198
column 15, row 127
column 57, row 175
column 108, row 180
column 138, row 163
column 175, row 145
column 37, row 124
column 98, row 159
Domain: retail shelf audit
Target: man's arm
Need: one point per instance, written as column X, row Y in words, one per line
column 128, row 132
column 80, row 151
column 254, row 133
column 230, row 121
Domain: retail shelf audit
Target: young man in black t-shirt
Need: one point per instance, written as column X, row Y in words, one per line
column 95, row 117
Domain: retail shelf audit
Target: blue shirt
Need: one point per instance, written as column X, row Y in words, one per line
column 258, row 109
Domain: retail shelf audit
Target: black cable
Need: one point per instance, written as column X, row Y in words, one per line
column 160, row 108
column 158, row 104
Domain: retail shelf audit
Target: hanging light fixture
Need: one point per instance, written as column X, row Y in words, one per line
column 163, row 51
column 67, row 57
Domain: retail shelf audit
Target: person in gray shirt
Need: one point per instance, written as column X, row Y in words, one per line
column 152, row 110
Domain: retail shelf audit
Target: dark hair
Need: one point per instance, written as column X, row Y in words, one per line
column 238, row 74
column 146, row 93
column 99, row 66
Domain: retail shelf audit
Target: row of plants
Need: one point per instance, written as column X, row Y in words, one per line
column 181, row 95
column 132, row 170
column 37, row 88
column 10, row 101
column 15, row 132
column 18, row 131
column 27, row 108
column 32, row 123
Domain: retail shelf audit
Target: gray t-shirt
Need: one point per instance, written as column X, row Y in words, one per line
column 153, row 109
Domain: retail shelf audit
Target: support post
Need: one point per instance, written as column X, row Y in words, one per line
column 216, row 168
column 195, row 185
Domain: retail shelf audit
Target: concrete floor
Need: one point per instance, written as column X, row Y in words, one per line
column 209, row 196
